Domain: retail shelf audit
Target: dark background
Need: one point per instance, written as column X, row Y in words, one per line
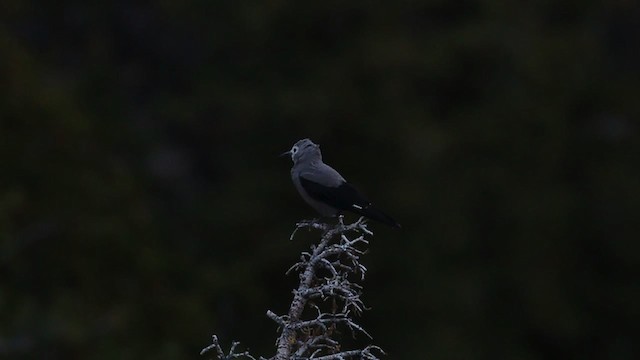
column 143, row 207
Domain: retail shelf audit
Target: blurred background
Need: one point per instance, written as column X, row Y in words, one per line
column 143, row 207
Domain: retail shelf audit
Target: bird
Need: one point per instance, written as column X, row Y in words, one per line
column 324, row 189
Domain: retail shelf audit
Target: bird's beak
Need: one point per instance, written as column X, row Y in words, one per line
column 285, row 153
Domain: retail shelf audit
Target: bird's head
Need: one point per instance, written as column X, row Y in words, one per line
column 304, row 150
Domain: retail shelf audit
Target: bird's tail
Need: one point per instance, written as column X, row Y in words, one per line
column 377, row 215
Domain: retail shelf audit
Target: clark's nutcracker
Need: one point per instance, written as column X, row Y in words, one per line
column 325, row 189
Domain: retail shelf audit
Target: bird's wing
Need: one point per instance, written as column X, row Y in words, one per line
column 343, row 197
column 322, row 174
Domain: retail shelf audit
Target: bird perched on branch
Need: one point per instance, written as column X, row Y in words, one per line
column 325, row 189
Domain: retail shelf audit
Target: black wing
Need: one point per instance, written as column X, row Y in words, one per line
column 342, row 197
column 345, row 197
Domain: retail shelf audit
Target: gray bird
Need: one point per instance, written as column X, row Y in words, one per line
column 325, row 189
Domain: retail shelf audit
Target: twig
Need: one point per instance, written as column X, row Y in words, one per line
column 215, row 345
column 341, row 259
column 325, row 274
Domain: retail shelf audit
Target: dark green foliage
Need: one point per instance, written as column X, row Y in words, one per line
column 143, row 206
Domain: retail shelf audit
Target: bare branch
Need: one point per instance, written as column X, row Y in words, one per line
column 312, row 337
column 327, row 274
column 366, row 353
column 215, row 345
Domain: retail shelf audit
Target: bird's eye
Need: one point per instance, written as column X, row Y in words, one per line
column 294, row 149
